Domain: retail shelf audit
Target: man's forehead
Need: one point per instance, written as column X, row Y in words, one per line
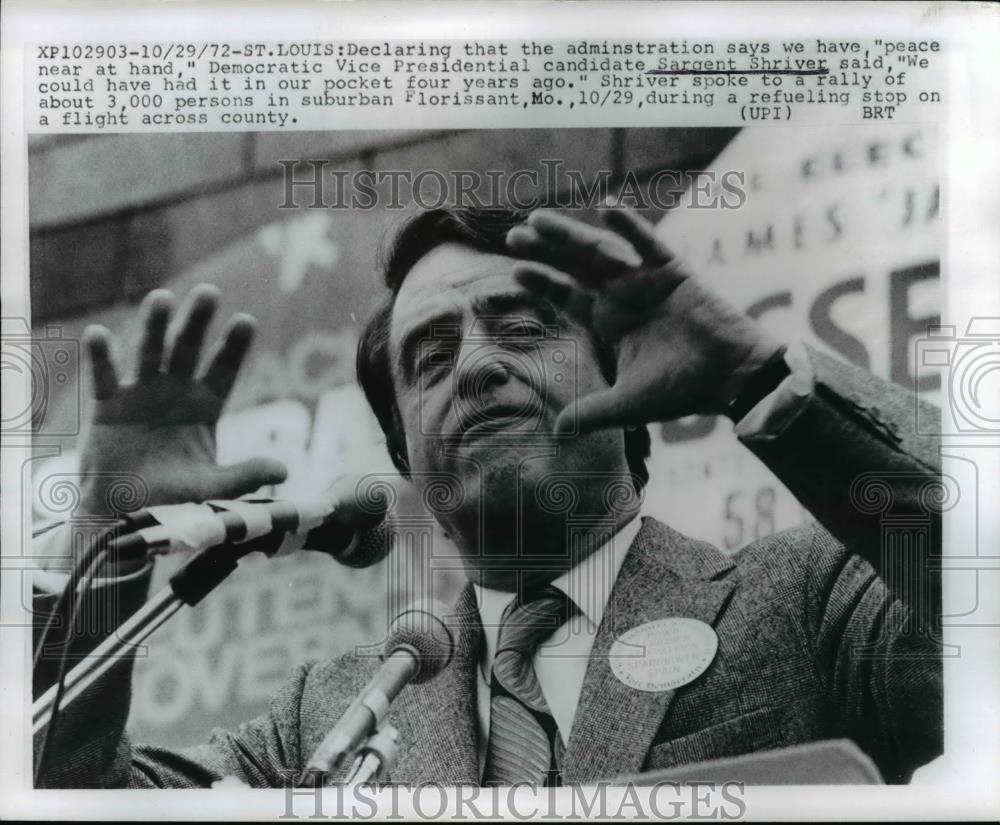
column 456, row 267
column 450, row 279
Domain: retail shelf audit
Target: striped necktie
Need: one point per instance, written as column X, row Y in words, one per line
column 524, row 744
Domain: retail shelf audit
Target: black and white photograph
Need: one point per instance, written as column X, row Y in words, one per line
column 571, row 460
column 512, row 370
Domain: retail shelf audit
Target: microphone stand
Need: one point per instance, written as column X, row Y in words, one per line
column 188, row 586
column 140, row 626
column 375, row 757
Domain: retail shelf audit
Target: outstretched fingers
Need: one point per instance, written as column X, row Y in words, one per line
column 554, row 286
column 224, row 364
column 97, row 343
column 640, row 233
column 662, row 272
column 246, row 477
column 590, row 254
column 154, row 318
column 189, row 329
column 610, row 408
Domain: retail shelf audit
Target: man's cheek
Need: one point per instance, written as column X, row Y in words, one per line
column 425, row 415
column 410, row 414
column 423, row 439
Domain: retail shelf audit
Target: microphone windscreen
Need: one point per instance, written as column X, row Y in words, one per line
column 372, row 545
column 421, row 629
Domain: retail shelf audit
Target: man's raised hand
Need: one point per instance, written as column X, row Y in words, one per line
column 681, row 350
column 160, row 425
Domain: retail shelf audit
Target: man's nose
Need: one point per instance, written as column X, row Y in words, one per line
column 481, row 368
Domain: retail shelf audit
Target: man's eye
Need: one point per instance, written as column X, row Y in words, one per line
column 521, row 333
column 433, row 359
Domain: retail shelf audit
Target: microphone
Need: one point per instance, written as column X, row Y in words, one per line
column 419, row 646
column 354, row 532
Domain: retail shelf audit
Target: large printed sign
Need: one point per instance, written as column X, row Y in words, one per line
column 837, row 245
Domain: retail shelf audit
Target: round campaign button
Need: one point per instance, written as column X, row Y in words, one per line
column 664, row 654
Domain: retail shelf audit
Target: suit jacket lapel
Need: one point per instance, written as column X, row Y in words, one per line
column 664, row 574
column 437, row 720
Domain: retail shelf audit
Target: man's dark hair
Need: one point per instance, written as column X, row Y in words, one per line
column 481, row 229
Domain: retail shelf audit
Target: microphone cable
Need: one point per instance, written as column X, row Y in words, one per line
column 98, row 561
column 81, row 564
column 75, row 593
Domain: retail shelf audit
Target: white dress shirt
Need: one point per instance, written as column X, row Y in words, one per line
column 561, row 661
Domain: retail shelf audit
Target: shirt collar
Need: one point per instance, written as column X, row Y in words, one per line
column 588, row 584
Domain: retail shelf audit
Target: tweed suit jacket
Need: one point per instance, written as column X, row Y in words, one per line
column 813, row 642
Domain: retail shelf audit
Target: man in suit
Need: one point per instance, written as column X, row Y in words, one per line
column 822, row 632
